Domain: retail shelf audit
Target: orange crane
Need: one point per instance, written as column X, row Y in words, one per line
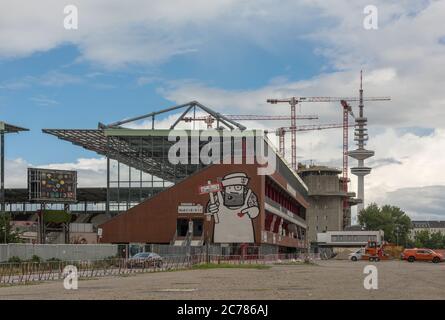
column 280, row 132
column 347, row 110
column 293, row 103
column 209, row 119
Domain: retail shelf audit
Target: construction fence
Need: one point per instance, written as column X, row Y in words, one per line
column 212, row 249
column 27, row 272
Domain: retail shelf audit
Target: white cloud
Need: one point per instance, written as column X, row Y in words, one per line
column 52, row 78
column 422, row 203
column 44, row 101
column 420, row 162
column 113, row 33
column 16, row 173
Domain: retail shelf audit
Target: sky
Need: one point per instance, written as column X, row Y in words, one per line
column 133, row 57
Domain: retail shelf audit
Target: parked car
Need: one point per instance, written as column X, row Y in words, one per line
column 355, row 256
column 422, row 254
column 145, row 260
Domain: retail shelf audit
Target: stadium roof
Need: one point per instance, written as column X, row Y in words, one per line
column 125, row 149
column 124, row 144
column 9, row 128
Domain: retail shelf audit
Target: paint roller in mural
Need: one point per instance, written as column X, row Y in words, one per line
column 233, row 209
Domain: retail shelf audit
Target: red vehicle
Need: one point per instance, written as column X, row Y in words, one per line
column 375, row 252
column 422, row 254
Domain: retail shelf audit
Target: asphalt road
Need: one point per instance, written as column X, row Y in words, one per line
column 331, row 279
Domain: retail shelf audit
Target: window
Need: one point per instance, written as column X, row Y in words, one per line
column 197, row 227
column 182, row 226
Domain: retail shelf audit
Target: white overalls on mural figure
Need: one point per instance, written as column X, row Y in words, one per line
column 235, row 207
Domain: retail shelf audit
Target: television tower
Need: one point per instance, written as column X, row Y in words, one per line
column 360, row 154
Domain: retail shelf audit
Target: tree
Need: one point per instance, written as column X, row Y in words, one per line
column 436, row 240
column 12, row 236
column 425, row 239
column 392, row 220
column 422, row 239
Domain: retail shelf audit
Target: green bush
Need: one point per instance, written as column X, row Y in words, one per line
column 35, row 258
column 53, row 260
column 14, row 259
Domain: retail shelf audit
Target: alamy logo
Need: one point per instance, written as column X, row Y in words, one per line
column 221, row 147
column 71, row 21
column 371, row 281
column 371, row 22
column 70, row 278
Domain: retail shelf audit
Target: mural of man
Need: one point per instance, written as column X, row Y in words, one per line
column 236, row 205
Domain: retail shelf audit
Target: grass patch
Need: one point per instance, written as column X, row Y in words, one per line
column 29, row 283
column 127, row 275
column 296, row 263
column 87, row 278
column 206, row 266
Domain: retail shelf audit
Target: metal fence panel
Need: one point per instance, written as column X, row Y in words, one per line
column 165, row 249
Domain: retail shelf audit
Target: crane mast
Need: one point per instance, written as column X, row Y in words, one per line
column 293, row 101
column 209, row 120
column 280, row 132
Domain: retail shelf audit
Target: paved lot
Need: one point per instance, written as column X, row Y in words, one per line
column 326, row 280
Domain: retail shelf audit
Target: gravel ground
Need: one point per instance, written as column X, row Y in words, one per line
column 327, row 280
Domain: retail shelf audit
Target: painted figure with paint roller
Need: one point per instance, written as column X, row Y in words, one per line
column 233, row 209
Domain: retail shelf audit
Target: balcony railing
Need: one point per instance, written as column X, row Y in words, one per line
column 277, row 239
column 285, row 211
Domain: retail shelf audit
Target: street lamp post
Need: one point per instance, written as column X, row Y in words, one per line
column 2, row 176
column 5, row 128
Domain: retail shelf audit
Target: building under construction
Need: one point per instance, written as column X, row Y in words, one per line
column 329, row 204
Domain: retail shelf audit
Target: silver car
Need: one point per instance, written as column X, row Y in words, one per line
column 145, row 260
column 355, row 256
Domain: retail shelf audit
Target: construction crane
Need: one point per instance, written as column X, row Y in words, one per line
column 293, row 103
column 280, row 132
column 347, row 110
column 209, row 119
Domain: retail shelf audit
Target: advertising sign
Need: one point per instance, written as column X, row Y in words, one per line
column 209, row 188
column 49, row 185
column 186, row 208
